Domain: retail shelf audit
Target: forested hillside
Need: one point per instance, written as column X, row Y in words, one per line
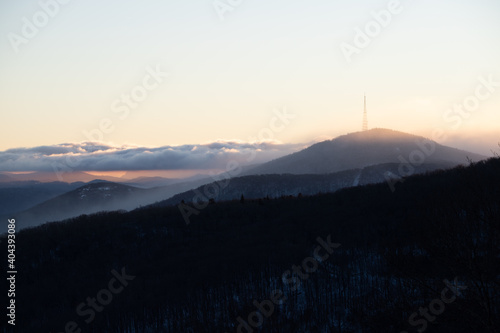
column 274, row 186
column 423, row 258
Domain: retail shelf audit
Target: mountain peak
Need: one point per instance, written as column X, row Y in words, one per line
column 360, row 149
column 379, row 134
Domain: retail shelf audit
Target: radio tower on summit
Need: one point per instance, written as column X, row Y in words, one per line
column 365, row 118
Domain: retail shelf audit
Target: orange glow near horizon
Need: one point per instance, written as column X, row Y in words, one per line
column 178, row 174
column 117, row 174
column 20, row 172
column 131, row 174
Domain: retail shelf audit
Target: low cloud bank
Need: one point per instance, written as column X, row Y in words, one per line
column 88, row 156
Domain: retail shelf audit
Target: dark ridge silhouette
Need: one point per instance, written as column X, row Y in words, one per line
column 275, row 186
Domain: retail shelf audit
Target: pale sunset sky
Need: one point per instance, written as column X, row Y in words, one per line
column 230, row 68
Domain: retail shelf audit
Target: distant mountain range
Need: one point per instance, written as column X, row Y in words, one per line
column 95, row 196
column 359, row 158
column 18, row 196
column 46, row 177
column 90, row 198
column 349, row 160
column 362, row 149
column 149, row 182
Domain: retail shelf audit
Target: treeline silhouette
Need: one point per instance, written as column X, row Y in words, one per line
column 396, row 250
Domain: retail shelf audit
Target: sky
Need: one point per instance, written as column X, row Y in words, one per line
column 185, row 73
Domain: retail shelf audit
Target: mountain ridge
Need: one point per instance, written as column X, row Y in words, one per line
column 361, row 149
